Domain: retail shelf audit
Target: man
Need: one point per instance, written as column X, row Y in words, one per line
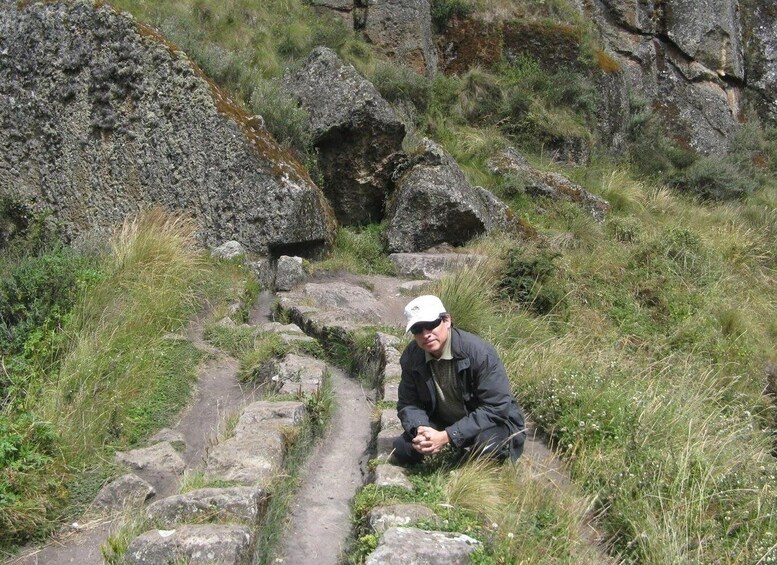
column 454, row 390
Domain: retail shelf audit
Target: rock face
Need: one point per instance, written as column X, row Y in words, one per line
column 402, row 29
column 411, row 545
column 357, row 134
column 686, row 57
column 761, row 54
column 434, row 203
column 101, row 117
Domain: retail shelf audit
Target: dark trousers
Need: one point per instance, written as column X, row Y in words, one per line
column 496, row 442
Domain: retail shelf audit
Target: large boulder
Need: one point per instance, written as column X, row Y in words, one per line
column 402, row 29
column 357, row 134
column 100, row 116
column 434, row 203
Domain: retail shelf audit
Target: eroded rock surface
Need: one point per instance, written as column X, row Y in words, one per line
column 357, row 134
column 100, row 116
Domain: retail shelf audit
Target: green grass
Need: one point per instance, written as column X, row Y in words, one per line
column 106, row 374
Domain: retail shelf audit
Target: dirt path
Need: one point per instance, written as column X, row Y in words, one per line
column 320, row 520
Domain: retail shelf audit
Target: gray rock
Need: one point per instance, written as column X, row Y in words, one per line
column 300, row 374
column 229, row 250
column 159, row 457
column 253, row 459
column 385, row 442
column 391, row 391
column 332, row 309
column 414, row 288
column 277, row 327
column 661, row 49
column 127, row 491
column 357, row 134
column 174, row 437
column 381, row 518
column 390, row 421
column 549, row 185
column 402, row 29
column 209, row 543
column 761, row 55
column 264, row 270
column 433, row 204
column 244, row 504
column 391, row 476
column 255, row 453
column 399, row 546
column 101, row 117
column 289, row 273
column 433, row 265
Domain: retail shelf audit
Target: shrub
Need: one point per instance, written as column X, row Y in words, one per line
column 715, row 178
column 445, row 10
column 528, row 279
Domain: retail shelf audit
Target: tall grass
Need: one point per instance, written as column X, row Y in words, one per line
column 118, row 362
column 111, row 374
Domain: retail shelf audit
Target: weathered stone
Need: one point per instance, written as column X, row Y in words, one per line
column 402, row 29
column 159, row 457
column 125, row 492
column 381, row 518
column 761, row 55
column 357, row 134
column 256, row 452
column 277, row 327
column 102, row 117
column 385, row 441
column 250, row 460
column 332, row 309
column 433, row 265
column 391, row 391
column 174, row 437
column 289, row 272
column 210, row 543
column 299, row 374
column 229, row 250
column 244, row 504
column 399, row 546
column 390, row 421
column 391, row 476
column 549, row 185
column 264, row 270
column 414, row 288
column 433, row 204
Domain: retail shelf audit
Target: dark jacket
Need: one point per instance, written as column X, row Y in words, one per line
column 484, row 384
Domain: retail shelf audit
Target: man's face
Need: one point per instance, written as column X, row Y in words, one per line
column 433, row 340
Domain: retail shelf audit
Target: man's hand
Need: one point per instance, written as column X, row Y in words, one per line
column 429, row 441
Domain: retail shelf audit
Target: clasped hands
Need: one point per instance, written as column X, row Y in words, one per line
column 429, row 441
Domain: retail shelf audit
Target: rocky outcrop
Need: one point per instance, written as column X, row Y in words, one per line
column 761, row 54
column 357, row 134
column 100, row 117
column 686, row 58
column 547, row 184
column 402, row 29
column 434, row 203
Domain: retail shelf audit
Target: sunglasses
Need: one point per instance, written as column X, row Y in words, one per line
column 416, row 329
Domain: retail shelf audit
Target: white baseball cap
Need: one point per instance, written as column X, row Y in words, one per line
column 425, row 308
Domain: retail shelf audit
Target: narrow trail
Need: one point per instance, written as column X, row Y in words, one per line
column 320, row 517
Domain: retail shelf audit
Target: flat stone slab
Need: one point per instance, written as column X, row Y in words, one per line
column 400, row 546
column 277, row 327
column 256, row 451
column 385, row 442
column 432, row 265
column 159, row 457
column 126, row 491
column 206, row 543
column 233, row 504
column 247, row 460
column 387, row 475
column 298, row 373
column 381, row 518
column 391, row 392
column 390, row 421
